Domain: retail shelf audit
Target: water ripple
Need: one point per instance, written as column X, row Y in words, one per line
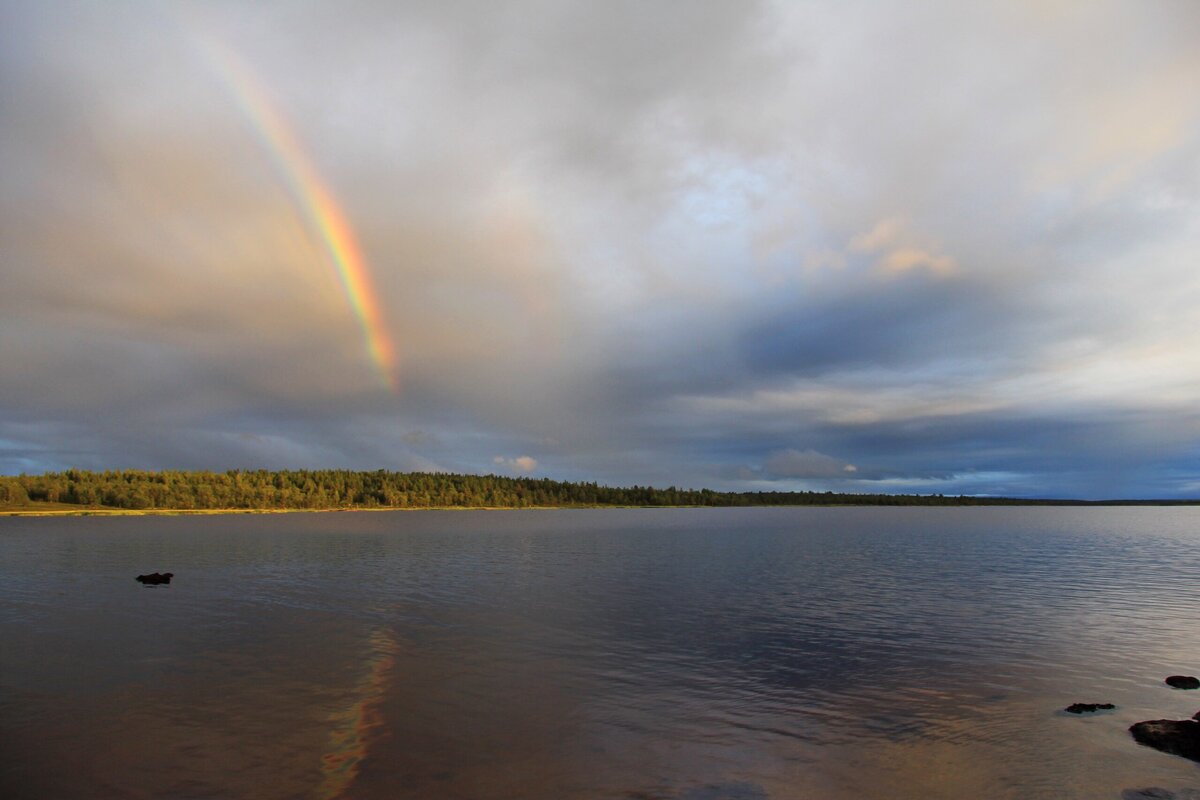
column 827, row 653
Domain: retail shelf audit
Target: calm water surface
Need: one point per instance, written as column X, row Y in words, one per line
column 693, row 654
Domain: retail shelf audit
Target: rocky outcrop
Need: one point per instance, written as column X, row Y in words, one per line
column 1179, row 737
column 1183, row 682
column 155, row 578
column 1087, row 708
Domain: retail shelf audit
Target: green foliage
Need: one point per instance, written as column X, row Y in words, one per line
column 12, row 492
column 326, row 489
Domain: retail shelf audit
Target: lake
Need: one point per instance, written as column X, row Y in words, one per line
column 690, row 654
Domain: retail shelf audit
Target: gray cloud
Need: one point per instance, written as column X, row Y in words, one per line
column 792, row 463
column 952, row 245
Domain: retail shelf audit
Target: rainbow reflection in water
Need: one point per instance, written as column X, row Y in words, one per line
column 355, row 727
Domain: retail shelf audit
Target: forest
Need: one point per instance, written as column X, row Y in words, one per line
column 347, row 489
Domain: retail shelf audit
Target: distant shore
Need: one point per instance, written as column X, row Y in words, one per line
column 57, row 510
column 64, row 510
column 137, row 492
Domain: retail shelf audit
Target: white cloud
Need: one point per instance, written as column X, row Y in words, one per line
column 520, row 464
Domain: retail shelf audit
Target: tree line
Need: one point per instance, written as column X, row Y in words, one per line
column 329, row 489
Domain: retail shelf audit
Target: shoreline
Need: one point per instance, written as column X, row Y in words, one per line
column 105, row 511
column 93, row 511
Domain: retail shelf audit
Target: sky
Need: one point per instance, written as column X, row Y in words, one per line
column 912, row 247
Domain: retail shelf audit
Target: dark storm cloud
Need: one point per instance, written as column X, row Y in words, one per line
column 890, row 325
column 726, row 244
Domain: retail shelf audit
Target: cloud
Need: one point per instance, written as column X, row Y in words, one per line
column 520, row 464
column 966, row 251
column 897, row 249
column 806, row 464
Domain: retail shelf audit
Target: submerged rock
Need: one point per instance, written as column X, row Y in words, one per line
column 155, row 578
column 1158, row 793
column 736, row 790
column 1183, row 682
column 1084, row 708
column 1179, row 737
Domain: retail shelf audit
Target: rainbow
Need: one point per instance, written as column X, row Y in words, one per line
column 315, row 201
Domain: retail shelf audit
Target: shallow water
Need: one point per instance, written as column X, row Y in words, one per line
column 693, row 654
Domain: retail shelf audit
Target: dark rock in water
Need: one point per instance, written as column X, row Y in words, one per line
column 736, row 790
column 1179, row 737
column 1196, row 715
column 155, row 578
column 1183, row 682
column 1158, row 793
column 1083, row 708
